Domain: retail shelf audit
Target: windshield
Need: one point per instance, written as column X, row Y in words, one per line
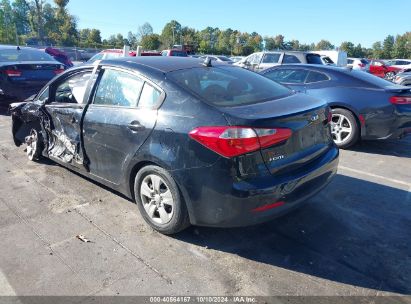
column 24, row 55
column 228, row 86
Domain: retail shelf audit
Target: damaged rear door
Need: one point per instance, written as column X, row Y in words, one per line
column 119, row 119
column 66, row 107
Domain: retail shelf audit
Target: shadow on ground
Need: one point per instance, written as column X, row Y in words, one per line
column 3, row 110
column 355, row 232
column 400, row 147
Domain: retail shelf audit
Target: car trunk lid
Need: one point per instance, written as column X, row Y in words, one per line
column 304, row 115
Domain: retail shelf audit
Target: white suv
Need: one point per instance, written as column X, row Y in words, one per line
column 358, row 64
column 263, row 60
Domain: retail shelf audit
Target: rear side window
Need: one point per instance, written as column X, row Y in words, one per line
column 371, row 79
column 290, row 59
column 149, row 97
column 228, row 86
column 117, row 88
column 271, row 58
column 24, row 55
column 314, row 59
column 295, row 76
column 72, row 89
column 316, row 77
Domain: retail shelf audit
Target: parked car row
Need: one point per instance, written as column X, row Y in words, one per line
column 363, row 106
column 156, row 128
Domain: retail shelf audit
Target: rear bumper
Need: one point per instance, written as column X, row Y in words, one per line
column 216, row 199
column 395, row 125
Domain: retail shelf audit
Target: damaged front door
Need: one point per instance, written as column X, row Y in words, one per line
column 66, row 106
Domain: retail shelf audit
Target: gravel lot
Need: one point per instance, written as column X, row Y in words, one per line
column 351, row 239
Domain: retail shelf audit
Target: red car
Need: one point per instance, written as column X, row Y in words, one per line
column 174, row 52
column 380, row 69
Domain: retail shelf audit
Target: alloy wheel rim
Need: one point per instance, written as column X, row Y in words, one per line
column 157, row 199
column 341, row 128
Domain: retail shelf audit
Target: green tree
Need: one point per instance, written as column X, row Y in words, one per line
column 377, row 52
column 151, row 42
column 347, row 47
column 324, row 45
column 7, row 25
column 21, row 11
column 400, row 47
column 171, row 34
column 388, row 47
column 144, row 30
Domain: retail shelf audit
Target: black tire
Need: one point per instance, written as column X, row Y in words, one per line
column 179, row 219
column 354, row 137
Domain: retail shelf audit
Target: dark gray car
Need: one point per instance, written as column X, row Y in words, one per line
column 363, row 106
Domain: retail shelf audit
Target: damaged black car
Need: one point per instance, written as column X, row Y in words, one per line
column 190, row 141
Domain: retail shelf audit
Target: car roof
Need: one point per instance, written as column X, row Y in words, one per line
column 164, row 64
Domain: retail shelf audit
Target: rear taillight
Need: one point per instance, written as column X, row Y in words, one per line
column 361, row 65
column 233, row 141
column 13, row 73
column 400, row 100
column 59, row 70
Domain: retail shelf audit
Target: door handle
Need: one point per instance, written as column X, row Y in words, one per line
column 135, row 126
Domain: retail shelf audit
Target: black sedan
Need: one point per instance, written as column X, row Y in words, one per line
column 363, row 106
column 190, row 141
column 24, row 71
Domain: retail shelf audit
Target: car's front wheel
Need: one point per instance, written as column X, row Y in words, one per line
column 344, row 128
column 159, row 200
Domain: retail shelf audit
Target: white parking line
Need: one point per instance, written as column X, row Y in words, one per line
column 5, row 287
column 395, row 181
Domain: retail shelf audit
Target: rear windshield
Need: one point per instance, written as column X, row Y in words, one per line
column 228, row 86
column 314, row 59
column 363, row 61
column 24, row 55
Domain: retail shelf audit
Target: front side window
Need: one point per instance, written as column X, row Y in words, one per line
column 295, row 76
column 271, row 58
column 117, row 88
column 290, row 59
column 72, row 89
column 228, row 86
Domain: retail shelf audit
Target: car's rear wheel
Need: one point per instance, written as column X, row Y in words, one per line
column 389, row 76
column 159, row 200
column 344, row 128
column 33, row 142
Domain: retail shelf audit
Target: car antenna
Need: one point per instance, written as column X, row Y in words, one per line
column 207, row 62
